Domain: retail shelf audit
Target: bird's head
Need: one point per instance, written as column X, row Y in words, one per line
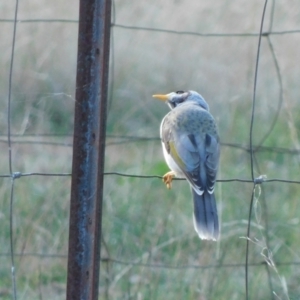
column 177, row 98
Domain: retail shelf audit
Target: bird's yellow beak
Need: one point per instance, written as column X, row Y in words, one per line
column 161, row 97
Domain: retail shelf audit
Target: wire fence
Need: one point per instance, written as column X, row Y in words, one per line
column 149, row 248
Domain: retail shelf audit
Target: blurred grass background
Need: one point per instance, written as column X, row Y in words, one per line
column 142, row 221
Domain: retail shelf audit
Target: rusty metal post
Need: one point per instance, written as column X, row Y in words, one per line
column 88, row 150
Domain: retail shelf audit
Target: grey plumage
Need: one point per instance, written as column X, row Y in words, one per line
column 191, row 147
column 205, row 217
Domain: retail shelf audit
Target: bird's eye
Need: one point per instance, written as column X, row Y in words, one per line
column 179, row 92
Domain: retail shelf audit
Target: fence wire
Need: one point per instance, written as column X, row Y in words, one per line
column 257, row 192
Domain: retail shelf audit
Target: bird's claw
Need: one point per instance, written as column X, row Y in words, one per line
column 167, row 179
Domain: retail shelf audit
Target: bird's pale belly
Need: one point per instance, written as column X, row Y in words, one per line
column 171, row 163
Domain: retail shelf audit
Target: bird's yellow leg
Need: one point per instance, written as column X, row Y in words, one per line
column 167, row 179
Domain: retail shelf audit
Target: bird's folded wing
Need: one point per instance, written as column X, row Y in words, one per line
column 212, row 148
column 197, row 158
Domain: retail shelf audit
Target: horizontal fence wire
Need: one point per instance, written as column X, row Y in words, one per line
column 151, row 265
column 258, row 180
column 122, row 26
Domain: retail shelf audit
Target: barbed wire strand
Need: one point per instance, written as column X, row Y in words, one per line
column 11, row 227
column 251, row 148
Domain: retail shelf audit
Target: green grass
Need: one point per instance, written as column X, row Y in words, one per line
column 143, row 222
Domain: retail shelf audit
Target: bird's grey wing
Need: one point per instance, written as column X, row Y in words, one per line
column 212, row 149
column 200, row 158
column 180, row 148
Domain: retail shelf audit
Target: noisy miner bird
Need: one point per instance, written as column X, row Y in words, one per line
column 191, row 149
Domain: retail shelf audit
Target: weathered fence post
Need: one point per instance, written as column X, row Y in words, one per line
column 88, row 149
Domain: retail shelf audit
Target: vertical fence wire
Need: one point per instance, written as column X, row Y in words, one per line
column 251, row 149
column 11, row 214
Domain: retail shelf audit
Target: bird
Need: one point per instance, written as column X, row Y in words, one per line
column 191, row 149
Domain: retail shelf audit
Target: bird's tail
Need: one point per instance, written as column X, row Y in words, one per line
column 205, row 216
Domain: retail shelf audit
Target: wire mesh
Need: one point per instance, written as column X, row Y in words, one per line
column 149, row 248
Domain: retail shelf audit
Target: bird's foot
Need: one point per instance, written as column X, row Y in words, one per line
column 167, row 179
